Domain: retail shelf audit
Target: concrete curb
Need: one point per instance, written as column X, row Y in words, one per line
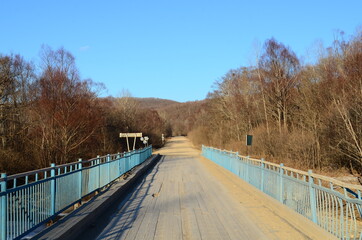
column 71, row 226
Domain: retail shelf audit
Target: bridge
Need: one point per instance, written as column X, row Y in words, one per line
column 178, row 193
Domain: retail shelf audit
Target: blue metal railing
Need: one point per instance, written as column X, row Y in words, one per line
column 333, row 205
column 30, row 199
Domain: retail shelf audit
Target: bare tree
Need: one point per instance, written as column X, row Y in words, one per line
column 127, row 108
column 15, row 76
column 63, row 112
column 347, row 99
column 280, row 67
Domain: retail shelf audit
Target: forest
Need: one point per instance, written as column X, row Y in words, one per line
column 48, row 114
column 308, row 116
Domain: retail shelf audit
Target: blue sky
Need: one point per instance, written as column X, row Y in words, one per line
column 168, row 49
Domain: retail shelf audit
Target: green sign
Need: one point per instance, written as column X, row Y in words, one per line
column 249, row 140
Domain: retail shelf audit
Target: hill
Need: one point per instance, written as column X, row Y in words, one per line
column 180, row 116
column 155, row 103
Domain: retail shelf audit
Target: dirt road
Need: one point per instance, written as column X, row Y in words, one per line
column 189, row 197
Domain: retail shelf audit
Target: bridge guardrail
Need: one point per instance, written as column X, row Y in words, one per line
column 333, row 205
column 30, row 199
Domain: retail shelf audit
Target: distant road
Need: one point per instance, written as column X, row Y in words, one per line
column 186, row 196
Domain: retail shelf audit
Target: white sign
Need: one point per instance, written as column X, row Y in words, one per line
column 130, row 135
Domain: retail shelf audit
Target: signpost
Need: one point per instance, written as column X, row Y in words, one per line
column 127, row 135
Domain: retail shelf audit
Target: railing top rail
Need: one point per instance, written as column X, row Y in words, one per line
column 295, row 170
column 221, row 150
column 24, row 174
column 47, row 169
column 301, row 172
column 337, row 182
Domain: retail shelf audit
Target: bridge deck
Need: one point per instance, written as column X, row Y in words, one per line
column 187, row 197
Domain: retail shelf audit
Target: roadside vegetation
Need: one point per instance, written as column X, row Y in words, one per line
column 304, row 115
column 48, row 114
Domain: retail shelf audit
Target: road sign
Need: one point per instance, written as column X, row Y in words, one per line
column 130, row 135
column 127, row 135
column 249, row 140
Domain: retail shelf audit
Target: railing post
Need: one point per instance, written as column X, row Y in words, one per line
column 131, row 159
column 139, row 154
column 108, row 167
column 134, row 157
column 3, row 206
column 262, row 175
column 99, row 171
column 313, row 203
column 281, row 172
column 247, row 169
column 80, row 178
column 126, row 162
column 236, row 163
column 119, row 164
column 231, row 162
column 52, row 189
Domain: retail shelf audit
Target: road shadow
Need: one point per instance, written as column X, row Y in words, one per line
column 132, row 197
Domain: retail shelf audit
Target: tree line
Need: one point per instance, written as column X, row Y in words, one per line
column 307, row 115
column 48, row 114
